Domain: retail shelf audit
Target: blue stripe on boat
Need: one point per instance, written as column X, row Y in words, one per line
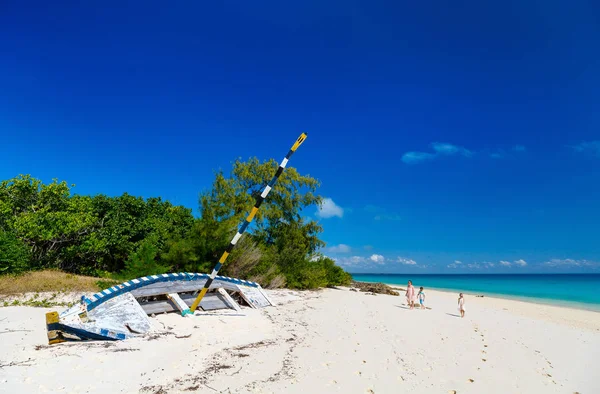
column 115, row 291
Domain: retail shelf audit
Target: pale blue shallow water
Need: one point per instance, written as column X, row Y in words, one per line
column 574, row 290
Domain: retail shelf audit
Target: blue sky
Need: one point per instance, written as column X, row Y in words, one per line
column 448, row 137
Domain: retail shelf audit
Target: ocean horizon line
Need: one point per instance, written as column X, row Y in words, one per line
column 574, row 290
column 480, row 274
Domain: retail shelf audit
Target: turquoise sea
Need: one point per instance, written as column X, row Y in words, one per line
column 574, row 290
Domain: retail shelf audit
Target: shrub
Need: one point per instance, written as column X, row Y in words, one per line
column 143, row 262
column 14, row 254
column 336, row 276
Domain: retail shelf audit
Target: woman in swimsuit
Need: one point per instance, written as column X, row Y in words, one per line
column 461, row 305
column 410, row 295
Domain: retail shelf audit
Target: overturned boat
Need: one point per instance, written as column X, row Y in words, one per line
column 121, row 312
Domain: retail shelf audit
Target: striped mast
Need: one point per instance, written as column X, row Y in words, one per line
column 247, row 222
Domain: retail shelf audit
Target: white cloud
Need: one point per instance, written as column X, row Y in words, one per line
column 486, row 264
column 445, row 149
column 341, row 248
column 329, row 209
column 377, row 258
column 501, row 153
column 570, row 263
column 521, row 263
column 456, row 264
column 381, row 214
column 449, row 149
column 368, row 247
column 417, row 157
column 361, row 262
column 402, row 260
column 343, row 263
column 353, row 261
column 440, row 149
column 591, row 147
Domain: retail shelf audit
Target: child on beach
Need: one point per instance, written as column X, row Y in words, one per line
column 461, row 305
column 421, row 297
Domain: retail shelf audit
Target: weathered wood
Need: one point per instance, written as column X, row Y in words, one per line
column 230, row 301
column 179, row 303
column 264, row 293
column 211, row 301
column 161, row 306
column 215, row 302
column 179, row 287
column 253, row 297
column 257, row 296
column 241, row 294
column 120, row 314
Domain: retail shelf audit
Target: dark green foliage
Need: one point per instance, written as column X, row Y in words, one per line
column 125, row 221
column 83, row 234
column 14, row 255
column 180, row 255
column 123, row 237
column 313, row 273
column 45, row 217
column 144, row 261
column 336, row 276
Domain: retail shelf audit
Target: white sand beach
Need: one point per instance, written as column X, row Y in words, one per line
column 329, row 341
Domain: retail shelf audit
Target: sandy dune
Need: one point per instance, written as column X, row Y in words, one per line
column 331, row 341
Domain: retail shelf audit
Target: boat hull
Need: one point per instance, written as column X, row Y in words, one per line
column 121, row 311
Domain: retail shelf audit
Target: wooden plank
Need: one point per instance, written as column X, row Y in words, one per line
column 253, row 297
column 119, row 313
column 161, row 306
column 211, row 301
column 229, row 300
column 241, row 293
column 264, row 293
column 179, row 303
column 160, row 288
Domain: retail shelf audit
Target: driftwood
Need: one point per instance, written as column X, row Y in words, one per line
column 378, row 288
column 25, row 363
column 5, row 331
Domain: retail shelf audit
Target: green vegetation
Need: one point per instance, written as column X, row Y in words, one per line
column 45, row 226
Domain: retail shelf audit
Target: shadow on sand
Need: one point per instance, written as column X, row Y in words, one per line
column 208, row 314
column 402, row 306
column 452, row 314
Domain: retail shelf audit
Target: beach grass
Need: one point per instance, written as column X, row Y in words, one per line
column 51, row 281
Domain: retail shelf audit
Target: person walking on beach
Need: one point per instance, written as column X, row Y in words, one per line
column 410, row 294
column 421, row 297
column 461, row 305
